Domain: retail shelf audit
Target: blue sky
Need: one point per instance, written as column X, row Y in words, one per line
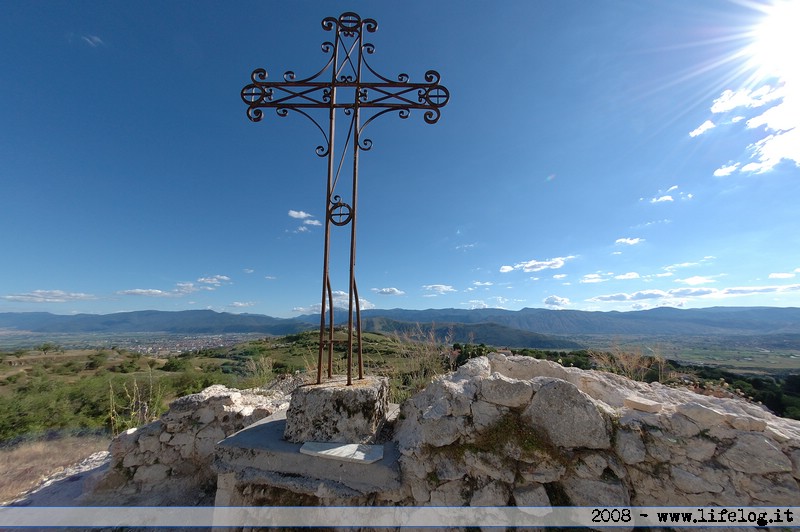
column 608, row 155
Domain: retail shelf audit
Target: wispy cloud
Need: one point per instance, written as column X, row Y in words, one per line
column 248, row 270
column 786, row 275
column 390, row 291
column 669, row 195
column 696, row 280
column 214, row 280
column 695, row 292
column 242, row 304
column 681, row 265
column 92, row 40
column 482, row 283
column 299, row 215
column 48, row 296
column 629, row 275
column 538, row 265
column 629, row 241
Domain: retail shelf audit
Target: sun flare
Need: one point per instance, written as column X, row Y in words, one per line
column 776, row 40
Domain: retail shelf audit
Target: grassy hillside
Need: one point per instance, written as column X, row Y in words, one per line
column 109, row 390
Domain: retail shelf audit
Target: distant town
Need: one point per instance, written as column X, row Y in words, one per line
column 152, row 344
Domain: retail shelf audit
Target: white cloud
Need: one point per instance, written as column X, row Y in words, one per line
column 438, row 289
column 214, row 280
column 556, row 301
column 781, row 275
column 391, row 291
column 724, row 171
column 180, row 290
column 482, row 283
column 341, row 301
column 270, row 277
column 590, row 278
column 695, row 280
column 477, row 303
column 248, row 270
column 779, row 122
column 629, row 241
column 48, row 296
column 560, row 276
column 636, row 296
column 242, row 304
column 315, row 223
column 702, row 128
column 537, row 265
column 629, row 275
column 300, row 215
column 662, row 199
column 730, row 100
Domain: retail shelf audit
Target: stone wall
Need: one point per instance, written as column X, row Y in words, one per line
column 169, row 461
column 508, row 430
column 501, row 430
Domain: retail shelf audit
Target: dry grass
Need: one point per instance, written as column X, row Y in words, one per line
column 26, row 465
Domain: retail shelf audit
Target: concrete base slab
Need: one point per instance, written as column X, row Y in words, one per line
column 259, row 457
column 357, row 453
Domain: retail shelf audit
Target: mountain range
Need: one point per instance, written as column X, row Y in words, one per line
column 529, row 327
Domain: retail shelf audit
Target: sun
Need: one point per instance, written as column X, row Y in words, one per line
column 773, row 51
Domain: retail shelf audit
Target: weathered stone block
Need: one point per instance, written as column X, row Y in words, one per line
column 151, row 474
column 754, row 454
column 533, row 495
column 335, row 412
column 501, row 390
column 568, row 417
column 642, row 404
column 630, row 447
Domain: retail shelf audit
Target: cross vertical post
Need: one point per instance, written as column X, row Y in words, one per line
column 352, row 87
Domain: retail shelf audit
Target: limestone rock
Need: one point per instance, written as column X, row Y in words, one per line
column 688, row 482
column 755, row 454
column 595, row 492
column 492, row 494
column 531, row 495
column 568, row 417
column 505, row 391
column 630, row 447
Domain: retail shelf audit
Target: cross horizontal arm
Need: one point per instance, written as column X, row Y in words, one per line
column 313, row 94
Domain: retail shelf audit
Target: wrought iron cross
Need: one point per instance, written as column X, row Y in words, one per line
column 348, row 83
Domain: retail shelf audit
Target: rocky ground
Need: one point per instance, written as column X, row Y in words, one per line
column 66, row 487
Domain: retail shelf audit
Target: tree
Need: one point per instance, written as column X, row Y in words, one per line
column 47, row 346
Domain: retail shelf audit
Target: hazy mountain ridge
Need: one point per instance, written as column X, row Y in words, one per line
column 487, row 333
column 489, row 326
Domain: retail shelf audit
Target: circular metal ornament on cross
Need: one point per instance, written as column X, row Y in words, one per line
column 340, row 213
